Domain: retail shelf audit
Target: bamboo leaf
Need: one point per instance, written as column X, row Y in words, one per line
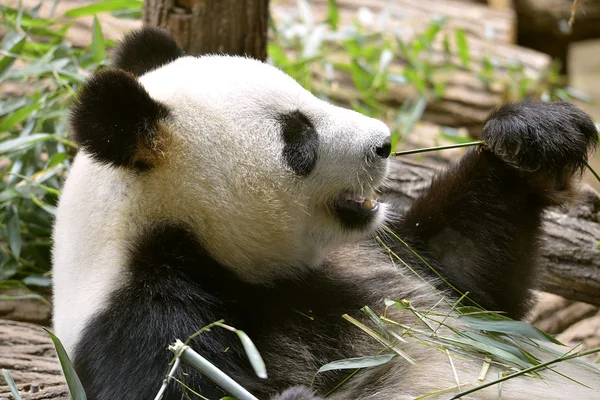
column 98, row 54
column 7, row 61
column 253, row 355
column 56, row 159
column 462, row 47
column 432, row 30
column 10, row 105
column 358, row 362
column 48, row 208
column 105, row 6
column 13, row 230
column 485, row 323
column 18, row 116
column 512, row 349
column 11, row 385
column 7, row 195
column 73, row 382
column 21, row 143
column 379, row 338
column 501, row 354
column 333, row 17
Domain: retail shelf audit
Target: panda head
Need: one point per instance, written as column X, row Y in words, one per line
column 267, row 175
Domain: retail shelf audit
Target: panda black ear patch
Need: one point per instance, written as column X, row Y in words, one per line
column 145, row 49
column 116, row 121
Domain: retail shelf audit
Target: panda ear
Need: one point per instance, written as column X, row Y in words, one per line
column 115, row 120
column 145, row 49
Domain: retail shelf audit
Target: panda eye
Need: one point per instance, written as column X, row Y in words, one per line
column 295, row 125
column 301, row 142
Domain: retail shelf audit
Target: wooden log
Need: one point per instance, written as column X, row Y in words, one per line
column 28, row 354
column 569, row 263
column 201, row 27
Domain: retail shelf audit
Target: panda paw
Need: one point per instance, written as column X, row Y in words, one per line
column 549, row 141
column 297, row 393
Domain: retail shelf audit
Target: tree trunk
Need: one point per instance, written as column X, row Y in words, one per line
column 236, row 27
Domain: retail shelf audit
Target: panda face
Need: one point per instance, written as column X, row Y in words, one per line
column 261, row 164
column 268, row 175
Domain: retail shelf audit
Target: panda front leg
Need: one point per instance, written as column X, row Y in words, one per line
column 479, row 222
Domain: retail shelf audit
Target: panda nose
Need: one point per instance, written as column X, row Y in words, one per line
column 384, row 149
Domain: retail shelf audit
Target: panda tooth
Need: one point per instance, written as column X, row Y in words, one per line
column 369, row 204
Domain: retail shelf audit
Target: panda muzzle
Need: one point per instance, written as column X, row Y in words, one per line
column 366, row 203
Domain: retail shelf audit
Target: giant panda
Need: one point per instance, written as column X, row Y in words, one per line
column 216, row 187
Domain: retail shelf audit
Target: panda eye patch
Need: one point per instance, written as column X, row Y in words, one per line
column 301, row 142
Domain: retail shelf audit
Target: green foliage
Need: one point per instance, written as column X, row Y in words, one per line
column 39, row 73
column 106, row 6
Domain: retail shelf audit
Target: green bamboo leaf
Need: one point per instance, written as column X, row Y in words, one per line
column 488, row 66
column 11, row 385
column 485, row 322
column 446, row 44
column 8, row 194
column 18, row 116
column 19, row 14
column 501, row 354
column 7, row 61
column 253, row 355
column 56, row 159
column 105, row 6
column 379, row 338
column 333, row 17
column 518, row 352
column 23, row 142
column 415, row 79
column 48, row 208
column 23, row 297
column 358, row 362
column 433, row 29
column 13, row 230
column 39, row 281
column 73, row 382
column 98, row 54
column 10, row 105
column 463, row 47
column 376, row 320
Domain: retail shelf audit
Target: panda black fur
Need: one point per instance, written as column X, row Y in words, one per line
column 217, row 188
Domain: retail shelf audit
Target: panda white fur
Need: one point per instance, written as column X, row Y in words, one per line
column 217, row 188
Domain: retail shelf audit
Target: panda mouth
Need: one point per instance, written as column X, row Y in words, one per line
column 355, row 210
column 365, row 204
